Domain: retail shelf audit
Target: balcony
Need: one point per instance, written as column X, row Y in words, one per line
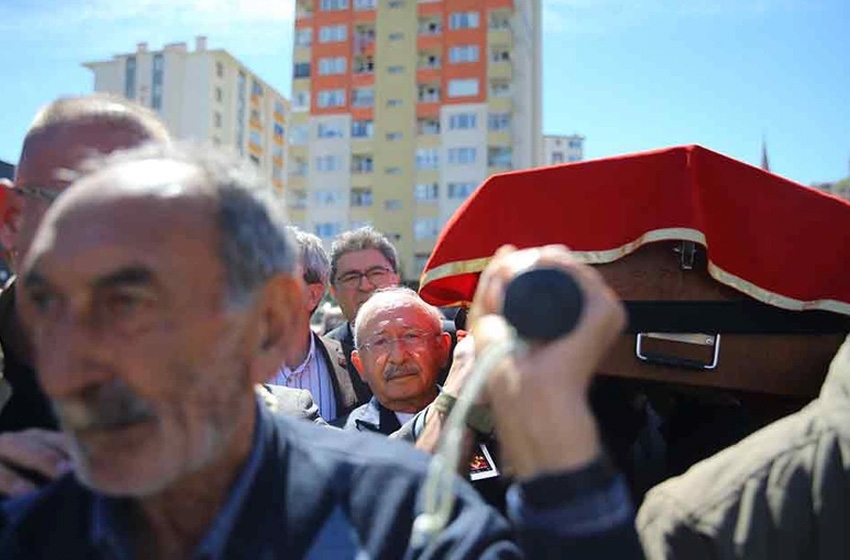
column 364, row 40
column 364, row 64
column 362, row 164
column 429, row 93
column 427, row 127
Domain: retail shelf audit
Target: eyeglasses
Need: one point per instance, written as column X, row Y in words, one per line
column 412, row 340
column 39, row 193
column 376, row 275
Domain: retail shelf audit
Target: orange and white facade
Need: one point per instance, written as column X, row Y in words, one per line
column 400, row 109
column 204, row 95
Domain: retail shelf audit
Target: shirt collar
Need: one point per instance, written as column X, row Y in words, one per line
column 287, row 373
column 109, row 535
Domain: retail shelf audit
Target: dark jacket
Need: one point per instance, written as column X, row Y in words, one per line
column 323, row 493
column 345, row 393
column 25, row 404
column 372, row 417
column 784, row 492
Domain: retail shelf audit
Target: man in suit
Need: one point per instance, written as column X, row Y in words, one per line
column 316, row 363
column 400, row 350
column 165, row 288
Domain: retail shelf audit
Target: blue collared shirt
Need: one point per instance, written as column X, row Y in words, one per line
column 108, row 528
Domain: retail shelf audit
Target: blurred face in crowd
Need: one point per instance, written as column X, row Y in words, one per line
column 359, row 273
column 401, row 350
column 148, row 367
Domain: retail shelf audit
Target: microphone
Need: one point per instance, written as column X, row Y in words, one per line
column 543, row 304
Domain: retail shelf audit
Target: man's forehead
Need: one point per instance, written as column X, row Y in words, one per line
column 362, row 258
column 399, row 314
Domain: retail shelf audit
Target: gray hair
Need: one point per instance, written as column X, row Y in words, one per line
column 314, row 260
column 387, row 297
column 361, row 239
column 254, row 242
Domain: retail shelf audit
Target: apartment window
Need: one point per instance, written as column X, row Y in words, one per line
column 298, row 167
column 463, row 121
column 429, row 94
column 500, row 20
column 499, row 121
column 364, row 65
column 361, row 197
column 330, row 130
column 463, row 20
column 218, row 94
column 393, row 171
column 328, row 163
column 331, row 98
column 297, row 199
column 362, row 164
column 240, row 112
column 333, row 33
column 300, row 101
column 256, row 89
column 429, row 60
column 463, row 88
column 420, row 260
column 299, row 134
column 463, row 53
column 393, row 136
column 575, row 144
column 326, row 197
column 428, row 126
column 255, row 160
column 425, row 228
column 304, row 37
column 279, row 108
column 427, row 158
column 362, row 129
column 333, row 5
column 392, row 204
column 431, row 26
column 277, row 173
column 396, row 36
column 277, row 151
column 255, row 138
column 427, row 192
column 499, row 157
column 462, row 156
column 394, row 102
column 130, row 78
column 395, row 69
column 219, row 69
column 156, row 89
column 362, row 97
column 301, row 70
column 395, row 4
column 326, row 230
column 364, row 4
column 328, row 66
column 459, row 191
column 217, row 119
column 500, row 54
column 557, row 157
column 500, row 89
column 572, row 159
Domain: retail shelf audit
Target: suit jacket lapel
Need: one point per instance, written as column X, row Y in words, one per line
column 334, row 356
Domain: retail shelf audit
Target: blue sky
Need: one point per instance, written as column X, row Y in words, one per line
column 629, row 75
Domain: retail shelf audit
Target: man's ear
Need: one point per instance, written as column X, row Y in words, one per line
column 358, row 364
column 11, row 205
column 444, row 342
column 315, row 293
column 278, row 309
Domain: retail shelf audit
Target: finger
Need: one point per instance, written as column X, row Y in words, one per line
column 28, row 451
column 13, row 484
column 50, row 438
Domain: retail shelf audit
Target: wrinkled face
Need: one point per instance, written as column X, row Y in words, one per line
column 359, row 273
column 42, row 170
column 125, row 298
column 401, row 351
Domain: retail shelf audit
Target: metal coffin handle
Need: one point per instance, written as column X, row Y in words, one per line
column 689, row 338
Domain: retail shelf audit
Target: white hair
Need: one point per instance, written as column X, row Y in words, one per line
column 385, row 298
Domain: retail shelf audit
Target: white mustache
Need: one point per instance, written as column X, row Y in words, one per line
column 391, row 371
column 103, row 407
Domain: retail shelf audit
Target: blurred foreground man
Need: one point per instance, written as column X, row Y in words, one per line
column 161, row 289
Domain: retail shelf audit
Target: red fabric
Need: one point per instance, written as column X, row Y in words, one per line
column 774, row 233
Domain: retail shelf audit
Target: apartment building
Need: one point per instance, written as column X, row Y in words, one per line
column 205, row 94
column 562, row 149
column 400, row 109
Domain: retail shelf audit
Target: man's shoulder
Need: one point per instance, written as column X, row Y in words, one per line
column 342, row 333
column 364, row 411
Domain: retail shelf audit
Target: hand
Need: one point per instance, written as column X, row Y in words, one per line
column 43, row 452
column 462, row 361
column 539, row 399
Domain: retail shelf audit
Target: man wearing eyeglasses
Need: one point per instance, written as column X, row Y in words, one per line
column 400, row 350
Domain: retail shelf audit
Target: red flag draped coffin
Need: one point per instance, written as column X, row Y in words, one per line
column 681, row 234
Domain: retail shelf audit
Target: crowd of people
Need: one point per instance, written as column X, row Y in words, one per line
column 165, row 396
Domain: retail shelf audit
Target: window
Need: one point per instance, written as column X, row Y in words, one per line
column 428, row 126
column 330, row 130
column 333, row 33
column 331, row 98
column 326, row 197
column 500, row 89
column 429, row 60
column 459, row 191
column 463, row 121
column 300, row 101
column 362, row 129
column 362, row 164
column 254, row 159
column 301, row 70
column 364, row 4
column 362, row 97
column 217, row 119
column 328, row 163
column 218, row 94
column 557, row 157
column 500, row 54
column 361, row 197
column 463, row 20
column 256, row 89
column 130, row 78
column 425, row 228
column 327, row 230
column 297, row 199
column 427, row 158
column 333, row 5
column 575, row 144
column 156, row 90
column 420, row 260
column 499, row 157
column 463, row 53
column 499, row 121
column 299, row 134
column 429, row 94
column 572, row 159
column 392, row 136
column 393, row 171
column 395, row 4
column 364, row 65
column 304, row 37
column 462, row 156
column 463, row 88
column 430, row 26
column 395, row 69
column 219, row 69
column 393, row 102
column 298, row 167
column 328, row 66
column 392, row 204
column 255, row 138
column 396, row 36
column 426, row 192
column 500, row 20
